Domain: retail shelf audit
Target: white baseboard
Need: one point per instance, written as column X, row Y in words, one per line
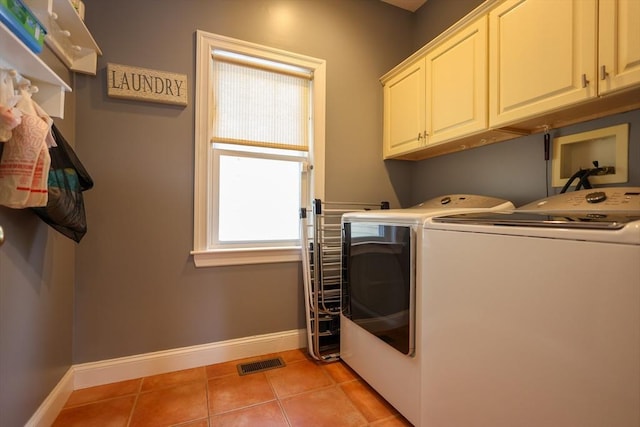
column 53, row 404
column 125, row 368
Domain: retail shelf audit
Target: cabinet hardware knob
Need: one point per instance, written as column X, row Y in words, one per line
column 603, row 72
column 419, row 136
column 585, row 82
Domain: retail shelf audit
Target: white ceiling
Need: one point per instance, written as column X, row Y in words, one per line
column 411, row 5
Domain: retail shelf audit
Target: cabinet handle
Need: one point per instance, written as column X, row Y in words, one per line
column 603, row 72
column 423, row 135
column 1, row 236
column 585, row 82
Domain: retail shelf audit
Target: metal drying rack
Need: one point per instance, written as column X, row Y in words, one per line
column 322, row 271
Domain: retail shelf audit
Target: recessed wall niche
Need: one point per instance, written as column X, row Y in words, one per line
column 608, row 146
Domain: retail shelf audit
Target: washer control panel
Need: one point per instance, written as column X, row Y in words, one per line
column 614, row 199
column 596, row 197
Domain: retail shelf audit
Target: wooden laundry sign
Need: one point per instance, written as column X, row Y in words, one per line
column 128, row 82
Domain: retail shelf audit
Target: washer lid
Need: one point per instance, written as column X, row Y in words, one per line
column 452, row 203
column 598, row 221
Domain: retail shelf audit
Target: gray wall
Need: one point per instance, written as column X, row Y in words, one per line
column 137, row 289
column 516, row 169
column 36, row 301
column 435, row 16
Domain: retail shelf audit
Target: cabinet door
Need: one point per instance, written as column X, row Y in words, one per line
column 619, row 44
column 542, row 57
column 404, row 121
column 456, row 88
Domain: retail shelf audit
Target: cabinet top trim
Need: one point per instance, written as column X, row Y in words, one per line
column 471, row 16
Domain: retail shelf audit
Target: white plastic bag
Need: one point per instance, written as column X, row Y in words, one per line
column 24, row 167
column 9, row 115
column 38, row 195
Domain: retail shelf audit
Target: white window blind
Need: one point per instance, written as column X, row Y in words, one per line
column 258, row 104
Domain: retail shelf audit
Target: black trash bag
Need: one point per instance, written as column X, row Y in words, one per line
column 67, row 180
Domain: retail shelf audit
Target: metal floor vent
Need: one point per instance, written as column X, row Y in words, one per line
column 260, row 365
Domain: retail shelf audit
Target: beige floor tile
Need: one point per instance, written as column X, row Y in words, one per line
column 234, row 392
column 396, row 421
column 198, row 423
column 328, row 407
column 101, row 392
column 105, row 413
column 339, row 371
column 173, row 378
column 294, row 355
column 298, row 377
column 264, row 415
column 169, row 406
column 304, row 393
column 228, row 368
column 370, row 403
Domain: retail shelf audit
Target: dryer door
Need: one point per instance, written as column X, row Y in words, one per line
column 378, row 283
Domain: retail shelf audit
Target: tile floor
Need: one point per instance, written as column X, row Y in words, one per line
column 304, row 393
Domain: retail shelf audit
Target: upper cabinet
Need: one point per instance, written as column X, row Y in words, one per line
column 557, row 63
column 404, row 110
column 511, row 68
column 456, row 88
column 439, row 96
column 618, row 45
column 542, row 57
column 437, row 101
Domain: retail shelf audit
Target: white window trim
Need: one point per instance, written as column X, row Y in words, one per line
column 205, row 44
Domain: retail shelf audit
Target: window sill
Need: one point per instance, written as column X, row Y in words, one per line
column 222, row 257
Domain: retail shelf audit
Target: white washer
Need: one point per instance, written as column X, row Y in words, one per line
column 378, row 335
column 532, row 318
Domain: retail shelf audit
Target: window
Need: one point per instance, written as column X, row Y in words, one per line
column 259, row 150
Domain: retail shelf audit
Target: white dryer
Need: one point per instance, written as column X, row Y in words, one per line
column 531, row 317
column 380, row 321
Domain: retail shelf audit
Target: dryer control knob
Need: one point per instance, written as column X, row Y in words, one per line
column 445, row 200
column 596, row 197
